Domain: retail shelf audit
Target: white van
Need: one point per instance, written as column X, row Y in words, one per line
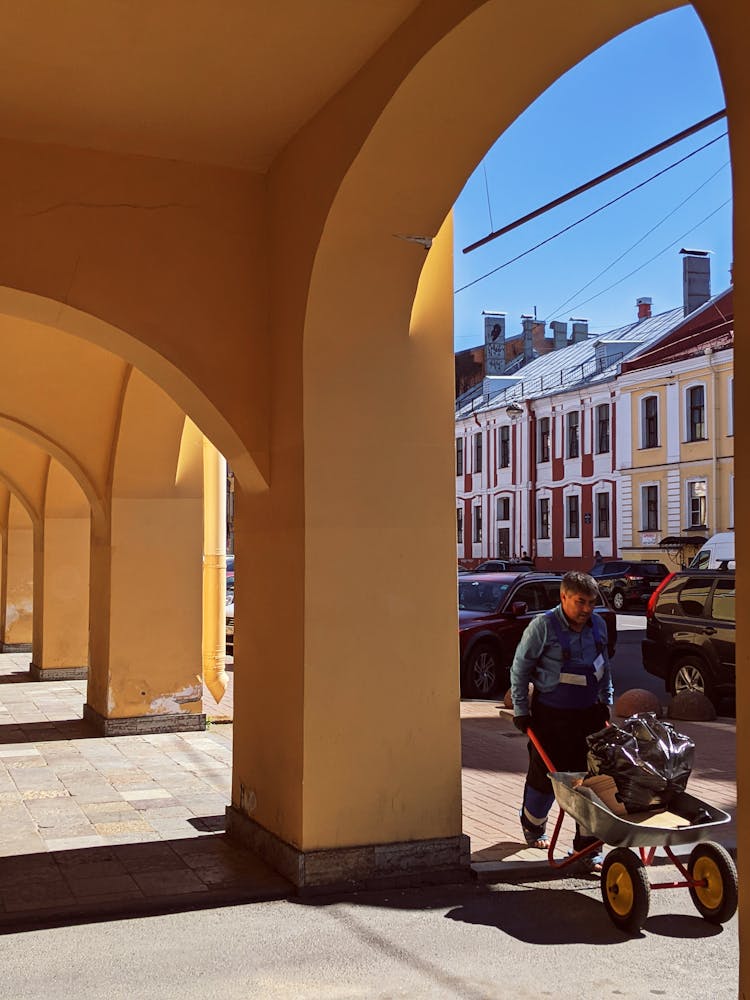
column 717, row 553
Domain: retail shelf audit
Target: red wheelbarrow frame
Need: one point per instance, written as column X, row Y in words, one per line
column 646, row 853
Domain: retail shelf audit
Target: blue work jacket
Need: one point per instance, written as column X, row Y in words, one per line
column 540, row 659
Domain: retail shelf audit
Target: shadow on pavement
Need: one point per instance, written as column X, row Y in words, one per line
column 43, row 732
column 567, row 916
column 89, row 885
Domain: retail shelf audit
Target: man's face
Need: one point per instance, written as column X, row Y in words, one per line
column 578, row 608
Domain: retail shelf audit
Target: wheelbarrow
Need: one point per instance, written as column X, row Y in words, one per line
column 710, row 873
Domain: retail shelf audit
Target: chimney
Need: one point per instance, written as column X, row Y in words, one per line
column 580, row 329
column 494, row 343
column 541, row 342
column 696, row 279
column 527, row 324
column 644, row 308
column 559, row 334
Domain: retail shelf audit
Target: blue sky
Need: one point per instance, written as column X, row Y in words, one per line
column 642, row 87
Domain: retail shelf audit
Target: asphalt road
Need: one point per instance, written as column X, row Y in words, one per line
column 627, row 666
column 472, row 942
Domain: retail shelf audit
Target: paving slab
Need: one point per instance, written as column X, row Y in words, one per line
column 91, row 825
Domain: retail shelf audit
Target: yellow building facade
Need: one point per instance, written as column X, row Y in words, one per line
column 202, row 217
column 677, row 477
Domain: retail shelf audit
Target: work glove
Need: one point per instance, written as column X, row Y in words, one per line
column 602, row 714
column 522, row 722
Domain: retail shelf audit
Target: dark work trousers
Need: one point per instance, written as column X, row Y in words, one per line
column 562, row 733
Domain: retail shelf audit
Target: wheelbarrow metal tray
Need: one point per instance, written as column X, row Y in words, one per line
column 623, row 831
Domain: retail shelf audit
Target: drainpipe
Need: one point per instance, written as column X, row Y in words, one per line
column 214, row 570
column 709, row 353
column 531, row 424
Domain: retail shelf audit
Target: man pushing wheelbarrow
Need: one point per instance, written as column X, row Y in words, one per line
column 564, row 654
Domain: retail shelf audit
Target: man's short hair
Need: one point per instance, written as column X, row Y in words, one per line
column 575, row 582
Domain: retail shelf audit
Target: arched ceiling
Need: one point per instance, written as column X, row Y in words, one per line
column 226, row 84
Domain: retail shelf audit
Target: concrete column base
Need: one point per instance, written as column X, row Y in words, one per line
column 371, row 866
column 139, row 724
column 15, row 647
column 58, row 673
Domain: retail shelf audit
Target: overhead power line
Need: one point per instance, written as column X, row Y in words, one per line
column 590, row 215
column 640, row 267
column 678, row 137
column 637, row 243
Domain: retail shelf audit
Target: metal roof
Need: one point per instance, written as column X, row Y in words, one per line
column 576, row 364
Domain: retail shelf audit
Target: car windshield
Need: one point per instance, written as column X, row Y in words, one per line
column 478, row 595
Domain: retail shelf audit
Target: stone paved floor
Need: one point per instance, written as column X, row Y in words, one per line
column 119, row 824
column 98, row 824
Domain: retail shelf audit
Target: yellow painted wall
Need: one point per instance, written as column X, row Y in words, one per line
column 155, row 615
column 64, row 618
column 647, row 456
column 19, row 567
column 146, row 595
column 166, row 254
column 277, row 312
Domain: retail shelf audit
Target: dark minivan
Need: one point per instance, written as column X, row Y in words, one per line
column 690, row 628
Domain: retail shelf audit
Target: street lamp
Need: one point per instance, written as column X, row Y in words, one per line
column 513, row 410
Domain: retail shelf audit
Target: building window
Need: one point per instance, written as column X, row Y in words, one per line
column 543, row 517
column 696, row 401
column 477, row 524
column 459, row 456
column 602, row 429
column 459, row 524
column 504, row 447
column 503, row 508
column 544, row 439
column 650, row 508
column 697, row 503
column 573, row 520
column 478, row 452
column 573, row 437
column 602, row 515
column 650, row 422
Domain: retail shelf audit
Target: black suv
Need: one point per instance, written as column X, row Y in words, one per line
column 626, row 583
column 690, row 632
column 493, row 612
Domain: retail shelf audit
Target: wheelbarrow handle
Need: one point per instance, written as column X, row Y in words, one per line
column 540, row 750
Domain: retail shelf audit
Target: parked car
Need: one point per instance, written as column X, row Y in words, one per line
column 690, row 630
column 229, row 617
column 493, row 611
column 625, row 583
column 504, row 565
column 717, row 553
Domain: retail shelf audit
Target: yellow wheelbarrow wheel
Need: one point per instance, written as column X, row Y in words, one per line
column 716, row 897
column 626, row 892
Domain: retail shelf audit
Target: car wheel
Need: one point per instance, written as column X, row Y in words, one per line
column 690, row 674
column 618, row 600
column 484, row 675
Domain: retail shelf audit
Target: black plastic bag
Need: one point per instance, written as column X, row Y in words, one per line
column 649, row 760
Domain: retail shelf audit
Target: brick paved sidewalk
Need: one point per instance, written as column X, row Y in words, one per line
column 100, row 825
column 494, row 768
